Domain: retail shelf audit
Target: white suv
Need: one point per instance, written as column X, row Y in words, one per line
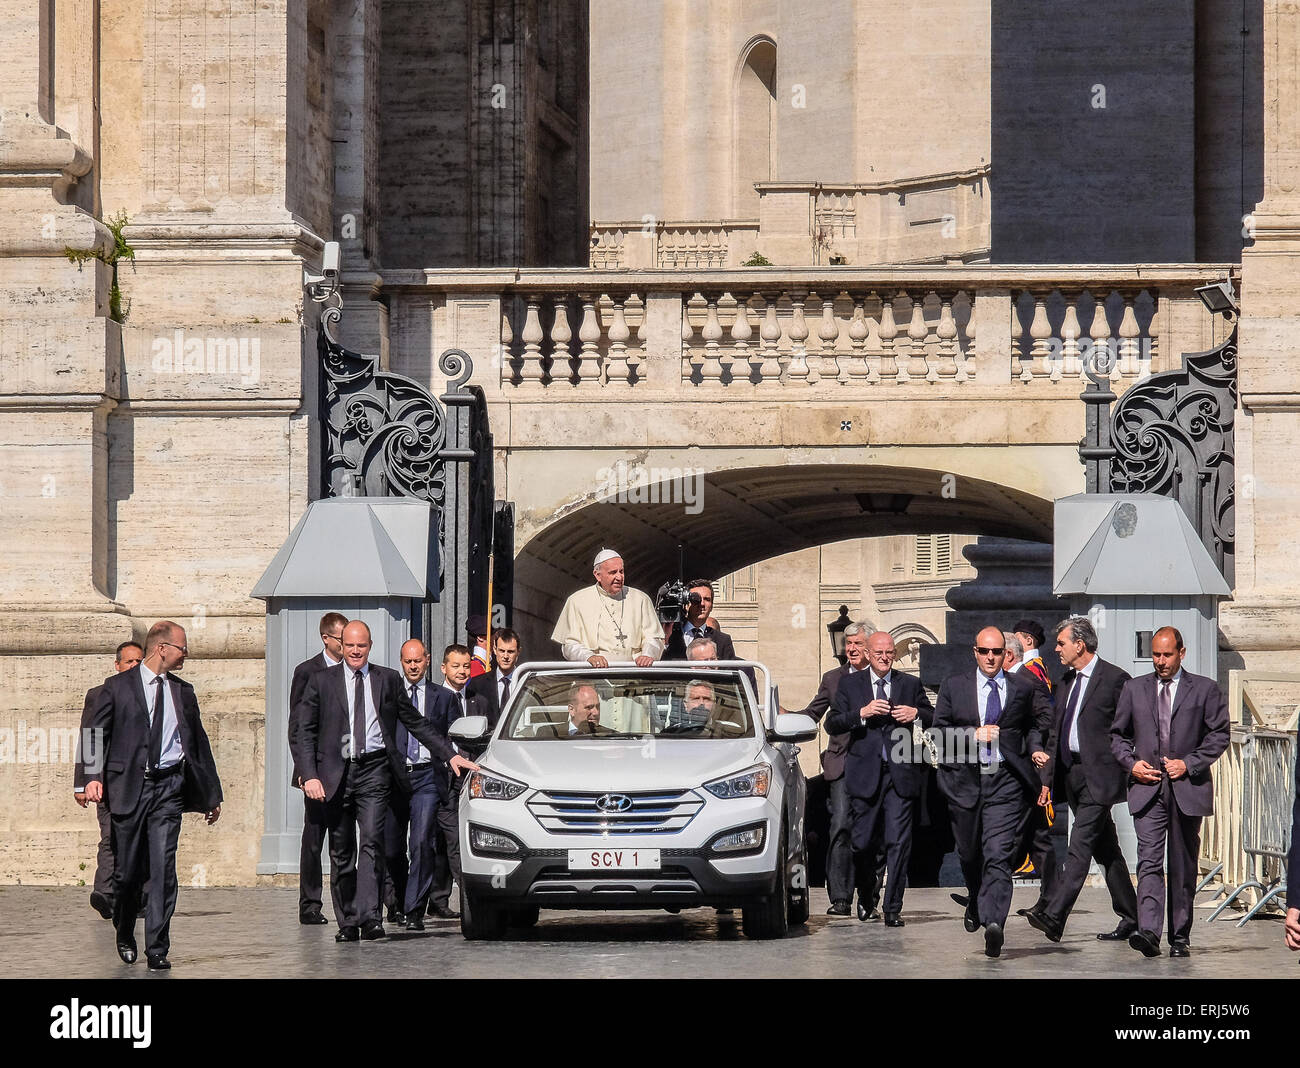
column 668, row 787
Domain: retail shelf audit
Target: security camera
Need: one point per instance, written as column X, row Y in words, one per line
column 330, row 260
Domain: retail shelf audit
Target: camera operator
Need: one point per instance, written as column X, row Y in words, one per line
column 695, row 624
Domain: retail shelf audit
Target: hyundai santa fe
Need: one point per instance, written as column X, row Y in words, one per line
column 671, row 786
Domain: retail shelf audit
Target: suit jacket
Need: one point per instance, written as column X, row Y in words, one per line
column 122, row 718
column 441, row 712
column 957, row 707
column 484, row 689
column 323, row 723
column 863, row 766
column 297, row 688
column 1198, row 735
column 1107, row 781
column 837, row 745
column 97, row 753
column 1041, row 730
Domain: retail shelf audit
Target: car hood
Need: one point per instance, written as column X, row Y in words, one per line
column 623, row 765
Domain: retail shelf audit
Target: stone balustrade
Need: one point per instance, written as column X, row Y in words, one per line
column 830, row 329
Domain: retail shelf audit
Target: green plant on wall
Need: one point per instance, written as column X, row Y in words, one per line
column 757, row 260
column 120, row 251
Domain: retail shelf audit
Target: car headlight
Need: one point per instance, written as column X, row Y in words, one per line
column 752, row 782
column 493, row 843
column 746, row 840
column 484, row 786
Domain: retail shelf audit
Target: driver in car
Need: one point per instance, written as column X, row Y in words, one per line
column 696, row 712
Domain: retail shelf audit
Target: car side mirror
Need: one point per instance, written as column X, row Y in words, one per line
column 793, row 727
column 469, row 729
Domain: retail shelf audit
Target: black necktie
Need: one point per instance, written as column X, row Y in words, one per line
column 156, row 725
column 412, row 742
column 460, row 707
column 1067, row 725
column 505, row 691
column 359, row 716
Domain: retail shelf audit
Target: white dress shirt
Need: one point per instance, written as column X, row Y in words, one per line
column 172, row 750
column 1173, row 687
column 420, row 699
column 982, row 690
column 501, row 680
column 1081, row 681
column 374, row 733
column 459, row 696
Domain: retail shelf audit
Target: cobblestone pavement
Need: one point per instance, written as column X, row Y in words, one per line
column 254, row 933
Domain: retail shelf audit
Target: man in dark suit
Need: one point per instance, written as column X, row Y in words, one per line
column 493, row 689
column 696, row 625
column 310, row 881
column 1170, row 726
column 348, row 757
column 157, row 764
column 984, row 718
column 1036, row 835
column 839, row 852
column 101, row 895
column 876, row 708
column 1082, row 769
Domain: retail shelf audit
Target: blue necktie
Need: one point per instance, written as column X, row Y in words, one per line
column 992, row 710
column 412, row 742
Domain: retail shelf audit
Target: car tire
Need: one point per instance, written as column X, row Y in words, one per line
column 481, row 921
column 771, row 918
column 526, row 916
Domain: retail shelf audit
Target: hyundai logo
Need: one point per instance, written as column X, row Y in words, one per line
column 613, row 802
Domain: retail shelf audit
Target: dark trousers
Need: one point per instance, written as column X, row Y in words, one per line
column 447, row 858
column 425, row 802
column 1036, row 841
column 1158, row 825
column 396, row 866
column 104, row 855
column 884, row 819
column 987, row 837
column 359, row 802
column 145, row 841
column 839, row 852
column 1092, row 834
column 310, row 881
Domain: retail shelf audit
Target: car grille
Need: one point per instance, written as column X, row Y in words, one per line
column 652, row 812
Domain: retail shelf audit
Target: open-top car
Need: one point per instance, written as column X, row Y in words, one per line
column 672, row 786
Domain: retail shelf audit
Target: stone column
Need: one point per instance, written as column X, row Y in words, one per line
column 1258, row 625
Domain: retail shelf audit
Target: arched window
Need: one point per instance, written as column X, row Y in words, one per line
column 754, row 149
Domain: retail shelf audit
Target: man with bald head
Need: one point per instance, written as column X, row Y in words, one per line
column 348, row 756
column 609, row 621
column 984, row 718
column 157, row 763
column 877, row 708
column 584, row 712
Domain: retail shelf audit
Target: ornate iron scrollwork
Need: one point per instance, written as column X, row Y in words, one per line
column 1172, row 434
column 383, row 433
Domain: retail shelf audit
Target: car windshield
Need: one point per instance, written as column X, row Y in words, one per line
column 702, row 704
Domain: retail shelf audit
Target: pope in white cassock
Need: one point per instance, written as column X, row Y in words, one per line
column 609, row 621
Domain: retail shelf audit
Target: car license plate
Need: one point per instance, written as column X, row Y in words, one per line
column 612, row 859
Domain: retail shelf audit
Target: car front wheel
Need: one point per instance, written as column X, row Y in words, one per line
column 481, row 920
column 771, row 918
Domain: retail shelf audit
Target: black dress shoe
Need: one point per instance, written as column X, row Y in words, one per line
column 1039, row 906
column 971, row 920
column 101, row 904
column 443, row 912
column 1180, row 949
column 126, row 950
column 1145, row 942
column 993, row 940
column 414, row 923
column 312, row 919
column 893, row 919
column 372, row 932
column 348, row 934
column 396, row 916
column 865, row 914
column 961, row 899
column 839, row 908
column 1045, row 924
column 1120, row 934
column 158, row 963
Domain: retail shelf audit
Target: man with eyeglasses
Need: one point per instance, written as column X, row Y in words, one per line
column 984, row 718
column 157, row 764
column 1082, row 768
column 310, row 881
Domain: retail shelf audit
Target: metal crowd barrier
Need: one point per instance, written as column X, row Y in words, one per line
column 1268, row 791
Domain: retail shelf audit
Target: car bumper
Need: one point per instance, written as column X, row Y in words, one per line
column 690, row 873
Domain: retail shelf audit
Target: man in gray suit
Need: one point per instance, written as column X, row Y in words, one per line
column 1170, row 726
